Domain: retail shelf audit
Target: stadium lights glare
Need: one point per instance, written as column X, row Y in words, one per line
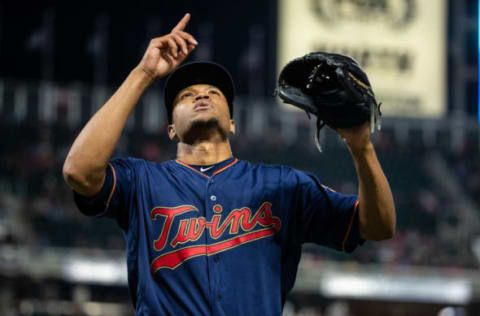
column 433, row 289
column 87, row 271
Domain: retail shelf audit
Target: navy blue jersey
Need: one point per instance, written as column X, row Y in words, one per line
column 226, row 241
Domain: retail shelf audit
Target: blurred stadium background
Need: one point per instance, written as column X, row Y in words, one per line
column 60, row 61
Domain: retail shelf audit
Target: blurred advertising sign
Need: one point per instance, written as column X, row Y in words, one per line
column 401, row 44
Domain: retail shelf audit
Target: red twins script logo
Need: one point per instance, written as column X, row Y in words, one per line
column 191, row 229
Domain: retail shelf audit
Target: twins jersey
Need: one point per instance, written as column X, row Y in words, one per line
column 218, row 240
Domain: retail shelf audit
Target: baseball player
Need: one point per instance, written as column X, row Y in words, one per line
column 208, row 233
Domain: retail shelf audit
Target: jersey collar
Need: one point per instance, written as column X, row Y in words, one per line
column 214, row 170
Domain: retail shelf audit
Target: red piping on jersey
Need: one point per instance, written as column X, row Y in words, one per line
column 190, row 167
column 355, row 209
column 227, row 166
column 215, row 173
column 114, row 185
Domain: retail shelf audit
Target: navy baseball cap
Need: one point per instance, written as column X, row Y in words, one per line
column 198, row 73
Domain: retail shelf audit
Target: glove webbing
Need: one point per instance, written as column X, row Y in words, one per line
column 375, row 115
column 320, row 125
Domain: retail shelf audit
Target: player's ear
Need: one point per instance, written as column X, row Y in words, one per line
column 172, row 132
column 232, row 127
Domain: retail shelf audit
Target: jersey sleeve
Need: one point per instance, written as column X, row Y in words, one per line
column 329, row 218
column 115, row 196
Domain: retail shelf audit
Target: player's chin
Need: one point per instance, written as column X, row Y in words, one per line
column 204, row 121
column 202, row 127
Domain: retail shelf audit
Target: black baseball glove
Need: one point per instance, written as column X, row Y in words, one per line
column 332, row 87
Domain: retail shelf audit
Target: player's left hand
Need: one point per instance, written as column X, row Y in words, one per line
column 357, row 138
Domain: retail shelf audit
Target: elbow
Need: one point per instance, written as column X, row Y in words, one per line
column 388, row 233
column 380, row 235
column 388, row 230
column 72, row 175
column 379, row 232
column 391, row 225
column 68, row 171
column 85, row 183
column 385, row 231
column 378, row 225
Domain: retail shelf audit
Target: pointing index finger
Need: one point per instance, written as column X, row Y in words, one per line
column 182, row 24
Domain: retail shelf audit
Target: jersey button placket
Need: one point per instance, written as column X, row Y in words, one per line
column 210, row 201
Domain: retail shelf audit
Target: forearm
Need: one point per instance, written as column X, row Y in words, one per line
column 84, row 167
column 376, row 206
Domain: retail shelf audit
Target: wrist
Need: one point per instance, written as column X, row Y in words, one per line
column 142, row 76
column 361, row 150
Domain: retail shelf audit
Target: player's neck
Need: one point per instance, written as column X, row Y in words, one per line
column 204, row 152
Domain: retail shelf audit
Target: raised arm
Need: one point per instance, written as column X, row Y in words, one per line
column 84, row 167
column 376, row 207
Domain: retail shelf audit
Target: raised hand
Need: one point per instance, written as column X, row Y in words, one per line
column 164, row 54
column 357, row 138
